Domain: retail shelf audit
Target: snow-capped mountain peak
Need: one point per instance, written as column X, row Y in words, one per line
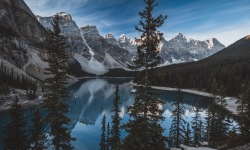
column 109, row 36
column 89, row 29
column 182, row 38
column 111, row 39
column 180, row 35
column 123, row 39
column 65, row 15
column 179, row 49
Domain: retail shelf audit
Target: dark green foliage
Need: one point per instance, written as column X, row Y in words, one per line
column 223, row 122
column 108, row 137
column 115, row 129
column 38, row 140
column 197, row 127
column 55, row 88
column 217, row 122
column 103, row 142
column 234, row 139
column 144, row 126
column 4, row 90
column 177, row 129
column 244, row 113
column 211, row 131
column 10, row 78
column 187, row 140
column 230, row 67
column 16, row 137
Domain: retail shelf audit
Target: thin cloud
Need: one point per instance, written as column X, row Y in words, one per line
column 226, row 35
column 200, row 19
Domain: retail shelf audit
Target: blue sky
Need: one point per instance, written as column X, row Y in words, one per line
column 226, row 20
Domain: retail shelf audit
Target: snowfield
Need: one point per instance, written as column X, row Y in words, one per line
column 92, row 66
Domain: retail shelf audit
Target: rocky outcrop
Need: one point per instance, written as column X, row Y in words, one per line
column 16, row 17
column 70, row 31
column 101, row 47
column 111, row 39
column 20, row 33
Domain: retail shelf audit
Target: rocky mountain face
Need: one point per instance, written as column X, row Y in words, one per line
column 20, row 35
column 94, row 54
column 16, row 16
column 177, row 50
column 70, row 31
column 101, row 47
column 184, row 49
column 88, row 48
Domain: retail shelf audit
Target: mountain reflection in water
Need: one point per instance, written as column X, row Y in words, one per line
column 89, row 99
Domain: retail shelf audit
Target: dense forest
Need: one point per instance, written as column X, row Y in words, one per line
column 10, row 78
column 230, row 67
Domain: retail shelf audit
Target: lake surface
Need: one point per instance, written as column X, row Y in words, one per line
column 91, row 98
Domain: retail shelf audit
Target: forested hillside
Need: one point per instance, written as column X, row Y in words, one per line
column 230, row 67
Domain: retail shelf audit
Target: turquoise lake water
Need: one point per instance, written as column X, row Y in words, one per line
column 91, row 98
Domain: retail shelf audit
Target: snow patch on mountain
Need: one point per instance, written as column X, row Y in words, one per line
column 35, row 60
column 112, row 63
column 89, row 48
column 92, row 66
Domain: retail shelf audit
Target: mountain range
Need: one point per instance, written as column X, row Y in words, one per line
column 22, row 34
column 229, row 67
column 177, row 50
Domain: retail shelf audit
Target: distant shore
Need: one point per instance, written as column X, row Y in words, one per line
column 231, row 101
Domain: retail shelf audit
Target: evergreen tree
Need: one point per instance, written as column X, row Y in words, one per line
column 222, row 122
column 56, row 91
column 217, row 123
column 38, row 136
column 115, row 129
column 103, row 142
column 244, row 113
column 233, row 139
column 207, row 131
column 16, row 137
column 211, row 117
column 196, row 126
column 177, row 129
column 144, row 126
column 108, row 137
column 187, row 140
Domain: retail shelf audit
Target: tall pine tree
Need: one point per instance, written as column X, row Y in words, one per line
column 222, row 122
column 244, row 113
column 144, row 126
column 56, row 91
column 103, row 142
column 108, row 137
column 196, row 126
column 16, row 136
column 39, row 138
column 211, row 118
column 187, row 140
column 177, row 129
column 115, row 129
